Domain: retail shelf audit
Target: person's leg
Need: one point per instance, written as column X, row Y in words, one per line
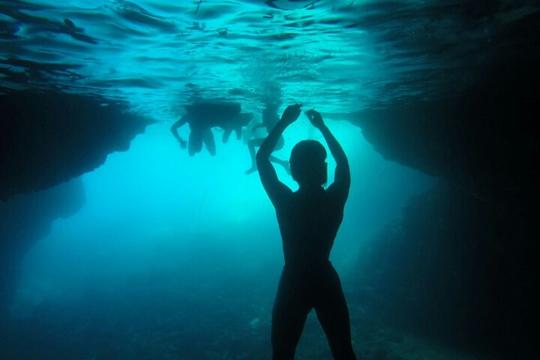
column 238, row 131
column 251, row 146
column 226, row 134
column 208, row 138
column 283, row 163
column 288, row 317
column 333, row 315
column 195, row 142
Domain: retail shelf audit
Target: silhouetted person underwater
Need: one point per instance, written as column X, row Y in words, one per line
column 202, row 117
column 308, row 220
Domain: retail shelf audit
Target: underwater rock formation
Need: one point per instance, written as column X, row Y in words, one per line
column 461, row 266
column 486, row 138
column 482, row 135
column 458, row 269
column 26, row 218
column 50, row 137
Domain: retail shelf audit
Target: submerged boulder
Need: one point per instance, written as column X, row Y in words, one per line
column 50, row 137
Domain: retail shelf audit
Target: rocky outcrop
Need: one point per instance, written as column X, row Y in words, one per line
column 50, row 137
column 26, row 218
column 46, row 139
column 457, row 269
column 461, row 265
column 482, row 135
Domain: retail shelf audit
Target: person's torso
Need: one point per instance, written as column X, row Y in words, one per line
column 309, row 222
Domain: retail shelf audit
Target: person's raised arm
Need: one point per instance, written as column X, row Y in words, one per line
column 273, row 187
column 174, row 129
column 342, row 177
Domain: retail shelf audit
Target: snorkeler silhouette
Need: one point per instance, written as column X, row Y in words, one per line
column 204, row 115
column 269, row 120
column 308, row 220
column 235, row 123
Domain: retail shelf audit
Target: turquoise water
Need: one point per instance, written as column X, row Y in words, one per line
column 178, row 257
column 156, row 54
column 199, row 237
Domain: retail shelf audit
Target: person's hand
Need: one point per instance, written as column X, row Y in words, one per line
column 315, row 118
column 291, row 113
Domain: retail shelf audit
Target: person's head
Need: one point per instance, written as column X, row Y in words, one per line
column 308, row 163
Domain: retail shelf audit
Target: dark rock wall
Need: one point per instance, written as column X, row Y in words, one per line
column 26, row 218
column 461, row 267
column 46, row 139
column 458, row 269
column 50, row 137
column 484, row 134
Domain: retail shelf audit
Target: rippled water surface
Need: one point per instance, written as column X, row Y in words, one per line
column 158, row 54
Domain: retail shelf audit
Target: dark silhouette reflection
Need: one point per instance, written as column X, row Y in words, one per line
column 202, row 117
column 308, row 220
